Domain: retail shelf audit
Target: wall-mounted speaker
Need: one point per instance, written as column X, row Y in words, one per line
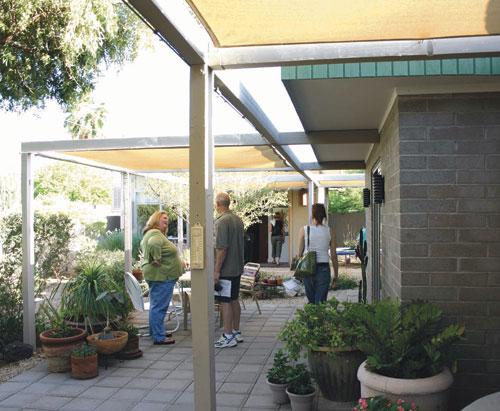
column 366, row 197
column 378, row 188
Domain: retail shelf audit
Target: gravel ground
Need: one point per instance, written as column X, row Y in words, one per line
column 10, row 370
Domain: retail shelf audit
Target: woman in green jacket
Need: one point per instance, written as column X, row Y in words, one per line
column 161, row 267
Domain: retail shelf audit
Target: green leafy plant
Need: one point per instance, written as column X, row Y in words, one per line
column 381, row 403
column 345, row 283
column 323, row 325
column 109, row 297
column 57, row 321
column 113, row 240
column 81, row 292
column 281, row 371
column 405, row 341
column 345, row 200
column 83, row 350
column 301, row 380
column 132, row 330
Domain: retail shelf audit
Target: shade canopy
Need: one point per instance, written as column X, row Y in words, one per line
column 232, row 23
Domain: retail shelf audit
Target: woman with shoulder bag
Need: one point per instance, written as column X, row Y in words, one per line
column 321, row 238
column 277, row 230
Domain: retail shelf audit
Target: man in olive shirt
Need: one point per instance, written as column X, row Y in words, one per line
column 229, row 245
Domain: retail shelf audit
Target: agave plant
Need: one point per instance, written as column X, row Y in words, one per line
column 81, row 292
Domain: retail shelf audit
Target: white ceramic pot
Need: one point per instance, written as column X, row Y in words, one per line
column 279, row 392
column 430, row 394
column 301, row 402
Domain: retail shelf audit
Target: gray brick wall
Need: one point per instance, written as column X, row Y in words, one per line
column 449, row 188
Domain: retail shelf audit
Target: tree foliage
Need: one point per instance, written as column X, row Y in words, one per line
column 250, row 198
column 74, row 182
column 57, row 48
column 86, row 119
column 345, row 200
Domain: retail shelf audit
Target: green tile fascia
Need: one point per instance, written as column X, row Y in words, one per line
column 483, row 66
column 336, row 71
column 320, row 71
column 450, row 66
column 417, row 68
column 400, row 68
column 465, row 66
column 351, row 70
column 304, row 72
column 289, row 73
column 495, row 65
column 384, row 69
column 368, row 69
column 433, row 67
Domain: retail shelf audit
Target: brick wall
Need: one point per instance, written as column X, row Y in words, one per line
column 449, row 187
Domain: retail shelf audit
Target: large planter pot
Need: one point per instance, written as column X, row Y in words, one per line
column 131, row 350
column 337, row 375
column 83, row 368
column 301, row 402
column 279, row 392
column 111, row 346
column 58, row 350
column 430, row 394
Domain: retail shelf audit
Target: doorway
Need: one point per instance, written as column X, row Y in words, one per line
column 256, row 245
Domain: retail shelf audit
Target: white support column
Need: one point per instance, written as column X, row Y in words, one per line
column 201, row 204
column 310, row 200
column 127, row 221
column 327, row 201
column 180, row 234
column 28, row 245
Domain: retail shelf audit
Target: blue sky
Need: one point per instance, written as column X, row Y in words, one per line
column 149, row 98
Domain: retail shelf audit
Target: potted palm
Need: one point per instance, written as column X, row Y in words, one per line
column 408, row 353
column 84, row 362
column 58, row 341
column 278, row 377
column 327, row 334
column 301, row 390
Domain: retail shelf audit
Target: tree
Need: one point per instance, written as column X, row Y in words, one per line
column 86, row 119
column 57, row 48
column 345, row 200
column 74, row 182
column 250, row 197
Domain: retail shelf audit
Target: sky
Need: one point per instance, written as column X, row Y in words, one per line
column 149, row 98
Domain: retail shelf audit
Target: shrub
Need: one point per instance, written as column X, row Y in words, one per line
column 114, row 240
column 346, row 283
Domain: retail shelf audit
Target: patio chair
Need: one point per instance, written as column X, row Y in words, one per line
column 247, row 283
column 186, row 306
column 137, row 296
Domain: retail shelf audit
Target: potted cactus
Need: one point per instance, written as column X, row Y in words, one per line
column 84, row 362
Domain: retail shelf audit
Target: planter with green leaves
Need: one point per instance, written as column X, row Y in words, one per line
column 131, row 350
column 327, row 333
column 278, row 377
column 408, row 353
column 84, row 362
column 59, row 340
column 301, row 390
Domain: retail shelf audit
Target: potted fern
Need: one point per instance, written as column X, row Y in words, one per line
column 278, row 377
column 408, row 353
column 84, row 362
column 326, row 334
column 301, row 390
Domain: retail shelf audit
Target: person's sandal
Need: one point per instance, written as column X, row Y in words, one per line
column 166, row 341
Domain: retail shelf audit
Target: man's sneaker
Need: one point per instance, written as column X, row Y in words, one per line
column 224, row 342
column 238, row 336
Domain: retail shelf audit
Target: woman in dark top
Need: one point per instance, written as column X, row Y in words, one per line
column 277, row 231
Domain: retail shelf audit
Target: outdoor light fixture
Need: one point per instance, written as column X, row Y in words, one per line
column 366, row 197
column 378, row 188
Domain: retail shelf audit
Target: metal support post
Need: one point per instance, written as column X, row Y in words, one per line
column 127, row 221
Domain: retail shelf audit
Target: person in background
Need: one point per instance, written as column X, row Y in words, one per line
column 161, row 267
column 229, row 256
column 321, row 239
column 277, row 230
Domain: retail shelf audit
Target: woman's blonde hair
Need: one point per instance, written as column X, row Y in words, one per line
column 154, row 221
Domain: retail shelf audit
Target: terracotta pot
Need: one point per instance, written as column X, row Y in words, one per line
column 58, row 350
column 272, row 281
column 83, row 368
column 279, row 281
column 430, row 394
column 301, row 402
column 336, row 374
column 111, row 346
column 263, row 280
column 279, row 392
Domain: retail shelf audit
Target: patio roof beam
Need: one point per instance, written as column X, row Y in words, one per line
column 330, row 137
column 335, row 165
column 328, row 53
column 162, row 21
column 239, row 97
column 83, row 162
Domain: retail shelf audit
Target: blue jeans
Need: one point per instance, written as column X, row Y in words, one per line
column 160, row 294
column 317, row 285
